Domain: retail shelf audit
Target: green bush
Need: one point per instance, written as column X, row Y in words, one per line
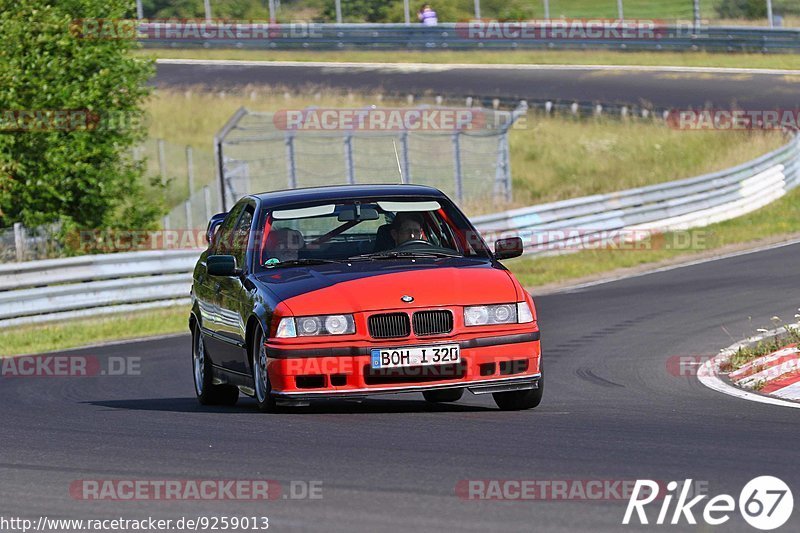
column 786, row 7
column 234, row 9
column 357, row 11
column 82, row 175
column 748, row 9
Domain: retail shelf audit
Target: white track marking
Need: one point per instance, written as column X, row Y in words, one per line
column 708, row 375
column 790, row 391
column 438, row 67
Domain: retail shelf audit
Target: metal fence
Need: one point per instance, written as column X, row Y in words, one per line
column 19, row 243
column 258, row 152
column 98, row 285
column 485, row 36
column 195, row 211
column 183, row 169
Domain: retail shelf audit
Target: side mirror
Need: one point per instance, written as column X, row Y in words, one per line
column 508, row 248
column 213, row 224
column 222, row 265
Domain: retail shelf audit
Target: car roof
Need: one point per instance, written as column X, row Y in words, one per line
column 346, row 192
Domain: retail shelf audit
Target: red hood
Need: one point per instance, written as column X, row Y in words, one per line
column 444, row 286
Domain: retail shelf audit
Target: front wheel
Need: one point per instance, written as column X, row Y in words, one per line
column 207, row 392
column 263, row 389
column 443, row 396
column 519, row 399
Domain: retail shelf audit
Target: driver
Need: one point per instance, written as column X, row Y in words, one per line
column 407, row 226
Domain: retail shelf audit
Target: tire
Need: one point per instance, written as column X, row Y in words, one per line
column 521, row 399
column 207, row 392
column 443, row 396
column 261, row 384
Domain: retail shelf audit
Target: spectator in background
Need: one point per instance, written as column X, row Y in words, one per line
column 427, row 15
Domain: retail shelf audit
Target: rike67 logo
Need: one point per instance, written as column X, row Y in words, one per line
column 765, row 503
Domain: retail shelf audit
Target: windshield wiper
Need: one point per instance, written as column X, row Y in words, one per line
column 301, row 262
column 396, row 254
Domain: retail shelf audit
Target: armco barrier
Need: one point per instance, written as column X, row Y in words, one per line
column 58, row 289
column 459, row 36
column 41, row 291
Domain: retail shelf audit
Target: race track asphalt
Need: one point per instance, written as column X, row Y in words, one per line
column 612, row 411
column 666, row 89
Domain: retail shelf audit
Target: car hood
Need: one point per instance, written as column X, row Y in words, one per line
column 378, row 285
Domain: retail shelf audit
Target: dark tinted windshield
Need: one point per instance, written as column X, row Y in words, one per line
column 368, row 229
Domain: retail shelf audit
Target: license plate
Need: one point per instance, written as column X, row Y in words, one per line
column 415, row 356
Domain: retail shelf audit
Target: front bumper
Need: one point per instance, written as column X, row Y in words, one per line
column 489, row 364
column 476, row 387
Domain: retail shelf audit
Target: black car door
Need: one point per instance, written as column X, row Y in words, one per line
column 213, row 314
column 235, row 300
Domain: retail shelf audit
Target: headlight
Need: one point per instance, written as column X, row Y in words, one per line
column 337, row 324
column 482, row 315
column 475, row 316
column 308, row 326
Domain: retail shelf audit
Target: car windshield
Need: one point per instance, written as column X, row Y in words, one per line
column 366, row 230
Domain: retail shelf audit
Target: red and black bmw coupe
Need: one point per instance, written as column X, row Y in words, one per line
column 351, row 291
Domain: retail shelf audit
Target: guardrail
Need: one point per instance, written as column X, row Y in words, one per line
column 57, row 289
column 473, row 35
column 93, row 285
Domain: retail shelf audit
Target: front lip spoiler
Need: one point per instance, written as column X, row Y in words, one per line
column 530, row 381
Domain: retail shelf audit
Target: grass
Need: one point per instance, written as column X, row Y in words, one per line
column 779, row 218
column 75, row 333
column 515, row 57
column 746, row 354
column 560, row 158
column 552, row 158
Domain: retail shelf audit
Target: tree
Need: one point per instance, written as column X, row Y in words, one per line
column 749, row 9
column 229, row 9
column 80, row 174
column 358, row 10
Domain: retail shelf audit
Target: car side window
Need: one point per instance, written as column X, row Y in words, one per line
column 241, row 236
column 224, row 239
